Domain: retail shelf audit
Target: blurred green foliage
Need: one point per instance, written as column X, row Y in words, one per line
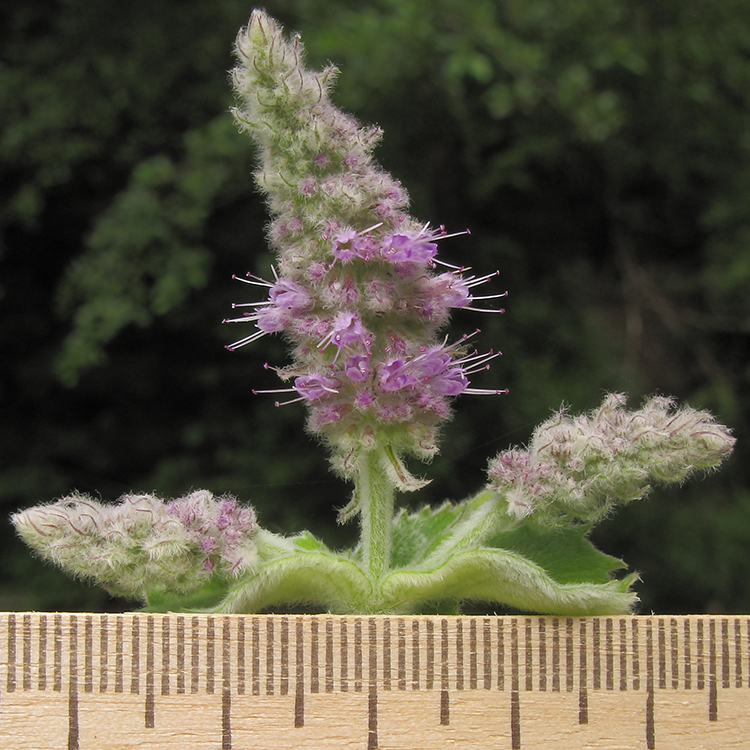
column 597, row 149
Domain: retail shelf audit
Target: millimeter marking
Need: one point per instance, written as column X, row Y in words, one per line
column 238, row 657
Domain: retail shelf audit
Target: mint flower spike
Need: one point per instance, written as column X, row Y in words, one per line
column 579, row 468
column 355, row 290
column 144, row 545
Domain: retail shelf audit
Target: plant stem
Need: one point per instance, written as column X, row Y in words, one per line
column 375, row 494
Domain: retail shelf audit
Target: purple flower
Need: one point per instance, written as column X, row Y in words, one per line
column 344, row 246
column 394, row 376
column 451, row 382
column 357, row 368
column 400, row 248
column 289, row 294
column 312, row 387
column 347, row 334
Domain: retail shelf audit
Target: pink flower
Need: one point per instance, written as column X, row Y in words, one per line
column 313, row 387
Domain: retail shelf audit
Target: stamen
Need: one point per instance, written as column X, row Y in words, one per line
column 492, row 296
column 370, row 229
column 247, row 317
column 254, row 280
column 247, row 340
column 485, row 391
column 291, row 401
column 474, row 281
column 444, row 236
column 459, row 269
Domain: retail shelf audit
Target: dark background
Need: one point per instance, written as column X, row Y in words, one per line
column 599, row 150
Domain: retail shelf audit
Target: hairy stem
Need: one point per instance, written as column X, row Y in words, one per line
column 375, row 496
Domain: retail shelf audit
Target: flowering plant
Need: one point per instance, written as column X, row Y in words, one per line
column 360, row 295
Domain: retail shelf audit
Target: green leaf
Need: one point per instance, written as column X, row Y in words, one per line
column 565, row 554
column 205, row 597
column 415, row 535
column 309, row 543
column 503, row 578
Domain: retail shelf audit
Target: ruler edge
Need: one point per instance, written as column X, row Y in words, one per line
column 712, row 631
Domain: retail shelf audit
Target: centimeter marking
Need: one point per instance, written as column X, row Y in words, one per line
column 152, row 656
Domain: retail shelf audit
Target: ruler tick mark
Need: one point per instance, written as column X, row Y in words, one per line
column 135, row 671
column 104, row 655
column 372, row 696
column 415, row 654
column 609, row 653
column 487, row 652
column 713, row 712
column 11, row 681
column 529, row 656
column 255, row 649
column 329, row 655
column 674, row 650
column 180, row 655
column 241, row 656
column 284, row 655
column 165, row 649
column 650, row 729
column 27, row 652
column 88, row 650
column 662, row 649
column 737, row 653
column 195, row 663
column 597, row 664
column 636, row 657
column 226, row 720
column 269, row 657
column 569, row 657
column 150, row 706
column 543, row 653
column 459, row 655
column 725, row 653
column 314, row 666
column 430, row 656
column 210, row 656
column 73, row 727
column 401, row 653
column 687, row 659
column 386, row 654
column 700, row 677
column 299, row 696
column 42, row 652
column 445, row 717
column 515, row 720
column 445, row 708
column 344, row 636
column 472, row 654
column 358, row 655
column 119, row 654
column 583, row 699
column 500, row 656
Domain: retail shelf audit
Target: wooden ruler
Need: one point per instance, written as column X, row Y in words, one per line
column 115, row 681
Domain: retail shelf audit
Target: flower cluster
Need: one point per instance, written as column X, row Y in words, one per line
column 357, row 291
column 142, row 543
column 578, row 467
